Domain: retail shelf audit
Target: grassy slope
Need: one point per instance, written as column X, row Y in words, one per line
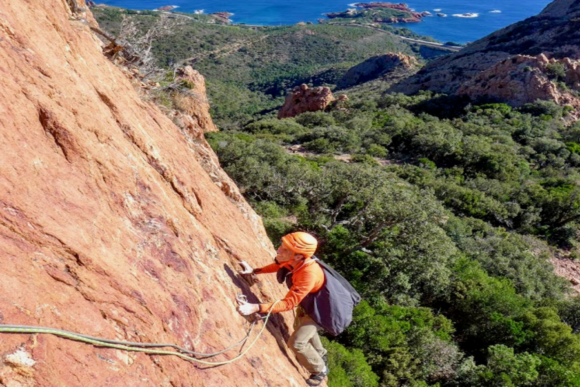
column 250, row 69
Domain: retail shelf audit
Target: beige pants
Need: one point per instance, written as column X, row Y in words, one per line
column 305, row 343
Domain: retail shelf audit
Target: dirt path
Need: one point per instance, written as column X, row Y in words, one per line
column 227, row 49
column 344, row 157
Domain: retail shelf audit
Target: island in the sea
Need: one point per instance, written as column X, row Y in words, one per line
column 167, row 8
column 379, row 13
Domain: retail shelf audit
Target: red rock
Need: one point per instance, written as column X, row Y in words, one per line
column 116, row 223
column 400, row 6
column 552, row 32
column 223, row 17
column 568, row 269
column 167, row 8
column 523, row 79
column 193, row 100
column 304, row 99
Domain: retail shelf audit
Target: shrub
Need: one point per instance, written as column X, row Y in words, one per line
column 556, row 71
column 348, row 368
column 275, row 126
column 377, row 151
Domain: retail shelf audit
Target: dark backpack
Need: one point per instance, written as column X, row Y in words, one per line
column 331, row 307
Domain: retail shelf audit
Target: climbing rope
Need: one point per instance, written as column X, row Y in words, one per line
column 141, row 347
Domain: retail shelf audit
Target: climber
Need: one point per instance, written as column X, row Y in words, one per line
column 304, row 276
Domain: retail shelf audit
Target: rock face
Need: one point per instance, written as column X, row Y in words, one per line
column 304, row 99
column 193, row 102
column 554, row 32
column 115, row 223
column 522, row 79
column 376, row 67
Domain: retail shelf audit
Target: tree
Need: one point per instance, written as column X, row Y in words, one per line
column 507, row 369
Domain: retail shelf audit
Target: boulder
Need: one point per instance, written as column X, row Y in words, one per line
column 523, row 79
column 304, row 99
column 192, row 98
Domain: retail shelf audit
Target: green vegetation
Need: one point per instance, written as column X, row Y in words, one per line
column 250, row 69
column 444, row 220
column 444, row 217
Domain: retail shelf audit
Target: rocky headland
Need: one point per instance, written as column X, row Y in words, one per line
column 554, row 33
column 390, row 13
column 167, row 8
column 223, row 17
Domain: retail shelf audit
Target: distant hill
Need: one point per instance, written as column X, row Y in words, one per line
column 249, row 69
column 555, row 32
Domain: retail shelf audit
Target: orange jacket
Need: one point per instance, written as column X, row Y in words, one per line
column 307, row 278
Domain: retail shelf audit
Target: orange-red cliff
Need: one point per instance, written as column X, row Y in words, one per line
column 114, row 222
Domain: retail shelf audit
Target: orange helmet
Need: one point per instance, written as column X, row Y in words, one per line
column 301, row 243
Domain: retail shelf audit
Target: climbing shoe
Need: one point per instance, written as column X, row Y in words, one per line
column 317, row 379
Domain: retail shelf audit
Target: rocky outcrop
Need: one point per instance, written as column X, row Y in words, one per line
column 555, row 32
column 191, row 100
column 376, row 67
column 166, row 8
column 373, row 11
column 568, row 269
column 115, row 223
column 222, row 17
column 304, row 99
column 523, row 79
column 415, row 16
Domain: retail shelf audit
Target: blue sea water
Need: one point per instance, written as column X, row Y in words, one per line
column 450, row 28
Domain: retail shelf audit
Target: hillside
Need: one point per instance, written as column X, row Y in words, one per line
column 447, row 214
column 555, row 32
column 250, row 69
column 115, row 223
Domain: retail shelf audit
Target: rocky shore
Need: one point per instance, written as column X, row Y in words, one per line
column 166, row 8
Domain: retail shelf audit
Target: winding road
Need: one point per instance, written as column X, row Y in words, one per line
column 439, row 46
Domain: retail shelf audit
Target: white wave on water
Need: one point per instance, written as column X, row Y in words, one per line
column 495, row 11
column 437, row 10
column 466, row 15
column 199, row 11
column 353, row 5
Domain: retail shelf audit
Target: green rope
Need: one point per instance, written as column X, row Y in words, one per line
column 134, row 346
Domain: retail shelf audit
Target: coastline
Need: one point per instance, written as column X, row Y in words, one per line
column 451, row 21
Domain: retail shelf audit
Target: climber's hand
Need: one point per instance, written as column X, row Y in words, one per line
column 248, row 309
column 247, row 268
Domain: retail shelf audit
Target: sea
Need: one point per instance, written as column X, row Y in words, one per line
column 465, row 21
